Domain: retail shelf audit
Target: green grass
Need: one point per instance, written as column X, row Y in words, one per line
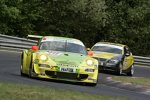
column 27, row 92
column 133, row 80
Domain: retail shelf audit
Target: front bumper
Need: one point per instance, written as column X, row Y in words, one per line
column 53, row 72
column 105, row 66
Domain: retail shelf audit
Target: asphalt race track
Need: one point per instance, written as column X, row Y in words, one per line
column 10, row 72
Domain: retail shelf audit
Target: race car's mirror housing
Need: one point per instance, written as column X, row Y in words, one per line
column 34, row 48
column 127, row 54
column 90, row 53
column 88, row 49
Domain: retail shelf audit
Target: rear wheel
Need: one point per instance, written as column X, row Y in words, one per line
column 131, row 72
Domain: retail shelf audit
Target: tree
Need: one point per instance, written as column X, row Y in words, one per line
column 121, row 21
column 81, row 19
column 129, row 24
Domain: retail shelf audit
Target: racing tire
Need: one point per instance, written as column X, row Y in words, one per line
column 30, row 70
column 89, row 84
column 131, row 72
column 21, row 73
column 93, row 84
column 31, row 73
column 119, row 70
column 101, row 70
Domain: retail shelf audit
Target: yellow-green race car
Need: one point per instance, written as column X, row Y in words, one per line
column 114, row 57
column 59, row 58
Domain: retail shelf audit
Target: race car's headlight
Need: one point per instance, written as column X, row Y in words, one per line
column 43, row 57
column 89, row 62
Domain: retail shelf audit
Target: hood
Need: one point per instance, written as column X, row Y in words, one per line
column 104, row 55
column 65, row 57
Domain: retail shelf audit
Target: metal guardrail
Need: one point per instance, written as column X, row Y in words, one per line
column 16, row 43
column 142, row 61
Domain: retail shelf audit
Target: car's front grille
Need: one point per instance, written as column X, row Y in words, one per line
column 67, row 65
column 66, row 75
column 102, row 59
column 63, row 75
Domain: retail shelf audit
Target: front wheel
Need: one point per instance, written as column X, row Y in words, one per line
column 89, row 84
column 119, row 70
column 100, row 70
column 30, row 70
column 21, row 72
column 93, row 84
column 31, row 73
column 131, row 72
column 21, row 67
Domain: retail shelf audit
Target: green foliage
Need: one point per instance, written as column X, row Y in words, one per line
column 129, row 24
column 8, row 15
column 121, row 21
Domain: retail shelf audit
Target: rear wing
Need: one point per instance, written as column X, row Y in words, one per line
column 34, row 37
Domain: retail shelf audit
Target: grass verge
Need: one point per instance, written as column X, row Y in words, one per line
column 26, row 92
column 133, row 80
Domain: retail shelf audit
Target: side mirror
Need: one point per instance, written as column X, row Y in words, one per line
column 88, row 49
column 90, row 53
column 34, row 48
column 127, row 54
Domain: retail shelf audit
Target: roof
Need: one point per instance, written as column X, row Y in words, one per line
column 57, row 38
column 110, row 43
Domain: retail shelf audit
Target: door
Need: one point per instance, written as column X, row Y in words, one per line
column 128, row 60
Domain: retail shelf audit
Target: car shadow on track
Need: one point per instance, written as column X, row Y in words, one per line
column 111, row 73
column 55, row 81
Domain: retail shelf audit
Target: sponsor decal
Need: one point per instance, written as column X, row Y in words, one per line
column 67, row 65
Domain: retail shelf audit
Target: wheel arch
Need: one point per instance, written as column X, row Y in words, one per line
column 24, row 61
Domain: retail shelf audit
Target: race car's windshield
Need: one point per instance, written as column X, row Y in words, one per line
column 107, row 49
column 63, row 46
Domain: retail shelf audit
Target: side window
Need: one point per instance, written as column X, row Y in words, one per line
column 44, row 46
